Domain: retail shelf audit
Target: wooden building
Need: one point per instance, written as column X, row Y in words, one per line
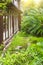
column 10, row 21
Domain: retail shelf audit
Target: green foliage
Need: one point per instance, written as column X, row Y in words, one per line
column 34, row 39
column 33, row 22
column 3, row 1
column 18, row 40
column 3, row 5
column 35, row 52
column 32, row 56
column 1, row 48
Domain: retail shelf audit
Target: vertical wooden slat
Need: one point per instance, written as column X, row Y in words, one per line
column 13, row 23
column 1, row 29
column 5, row 27
column 19, row 21
column 8, row 27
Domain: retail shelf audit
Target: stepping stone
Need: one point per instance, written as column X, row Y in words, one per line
column 18, row 47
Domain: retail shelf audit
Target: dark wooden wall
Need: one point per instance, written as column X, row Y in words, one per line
column 13, row 23
column 1, row 29
column 19, row 21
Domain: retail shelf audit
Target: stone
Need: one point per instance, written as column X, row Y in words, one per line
column 18, row 47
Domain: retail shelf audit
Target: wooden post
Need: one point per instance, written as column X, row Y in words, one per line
column 1, row 29
column 19, row 4
column 13, row 23
column 19, row 21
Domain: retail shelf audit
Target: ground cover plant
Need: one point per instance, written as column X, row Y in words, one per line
column 1, row 49
column 33, row 55
column 20, row 39
column 23, row 39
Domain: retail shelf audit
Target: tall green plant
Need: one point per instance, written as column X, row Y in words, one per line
column 33, row 22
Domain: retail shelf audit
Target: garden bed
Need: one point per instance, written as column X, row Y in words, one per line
column 24, row 50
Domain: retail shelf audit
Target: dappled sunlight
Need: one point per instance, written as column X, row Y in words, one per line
column 37, row 1
column 27, row 3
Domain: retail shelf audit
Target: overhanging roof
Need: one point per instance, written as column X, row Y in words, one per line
column 10, row 7
column 13, row 8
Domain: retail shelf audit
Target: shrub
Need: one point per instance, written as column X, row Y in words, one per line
column 34, row 39
column 33, row 22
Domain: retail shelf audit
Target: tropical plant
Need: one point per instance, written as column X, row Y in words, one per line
column 33, row 22
column 35, row 52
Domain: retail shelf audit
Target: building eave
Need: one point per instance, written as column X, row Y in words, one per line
column 11, row 7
